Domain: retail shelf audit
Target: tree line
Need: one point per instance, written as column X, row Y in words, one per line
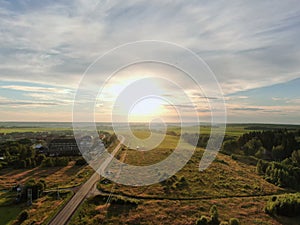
column 277, row 152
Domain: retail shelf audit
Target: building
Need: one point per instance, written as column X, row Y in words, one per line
column 66, row 146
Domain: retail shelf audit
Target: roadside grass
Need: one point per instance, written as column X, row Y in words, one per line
column 40, row 211
column 44, row 208
column 9, row 213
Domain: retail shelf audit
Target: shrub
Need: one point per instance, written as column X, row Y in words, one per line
column 80, row 162
column 224, row 223
column 286, row 205
column 47, row 162
column 234, row 157
column 61, row 161
column 234, row 221
column 23, row 216
column 202, row 221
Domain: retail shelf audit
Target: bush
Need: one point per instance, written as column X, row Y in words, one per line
column 58, row 161
column 234, row 221
column 80, row 162
column 47, row 162
column 234, row 156
column 202, row 221
column 286, row 205
column 61, row 161
column 23, row 216
column 224, row 223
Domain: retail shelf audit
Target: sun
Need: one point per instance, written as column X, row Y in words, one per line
column 146, row 109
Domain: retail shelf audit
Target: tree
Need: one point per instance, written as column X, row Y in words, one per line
column 261, row 153
column 47, row 162
column 261, row 166
column 296, row 157
column 40, row 158
column 278, row 153
column 230, row 146
column 214, row 215
column 252, row 146
column 36, row 187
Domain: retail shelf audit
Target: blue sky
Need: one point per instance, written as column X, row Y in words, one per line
column 251, row 46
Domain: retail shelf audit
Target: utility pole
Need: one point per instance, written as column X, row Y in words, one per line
column 58, row 196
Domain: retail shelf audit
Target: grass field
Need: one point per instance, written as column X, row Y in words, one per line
column 224, row 177
column 31, row 129
column 231, row 129
column 185, row 212
column 234, row 187
column 63, row 177
column 39, row 212
column 43, row 208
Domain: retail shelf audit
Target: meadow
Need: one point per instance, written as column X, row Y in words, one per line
column 67, row 179
column 230, row 183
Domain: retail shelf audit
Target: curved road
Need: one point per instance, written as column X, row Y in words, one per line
column 64, row 215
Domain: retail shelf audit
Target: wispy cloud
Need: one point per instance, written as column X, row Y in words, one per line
column 36, row 89
column 247, row 44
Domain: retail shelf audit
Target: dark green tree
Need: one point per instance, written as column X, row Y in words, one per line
column 214, row 216
column 296, row 157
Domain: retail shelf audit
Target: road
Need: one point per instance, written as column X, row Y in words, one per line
column 64, row 215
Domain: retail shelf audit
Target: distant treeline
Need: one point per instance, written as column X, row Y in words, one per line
column 265, row 127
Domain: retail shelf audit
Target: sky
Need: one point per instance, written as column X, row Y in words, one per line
column 252, row 47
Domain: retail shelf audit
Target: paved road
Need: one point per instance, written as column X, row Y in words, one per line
column 64, row 215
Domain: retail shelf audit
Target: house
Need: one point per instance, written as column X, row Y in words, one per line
column 63, row 146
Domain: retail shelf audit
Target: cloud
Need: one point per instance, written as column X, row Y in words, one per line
column 36, row 89
column 5, row 102
column 247, row 44
column 247, row 109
